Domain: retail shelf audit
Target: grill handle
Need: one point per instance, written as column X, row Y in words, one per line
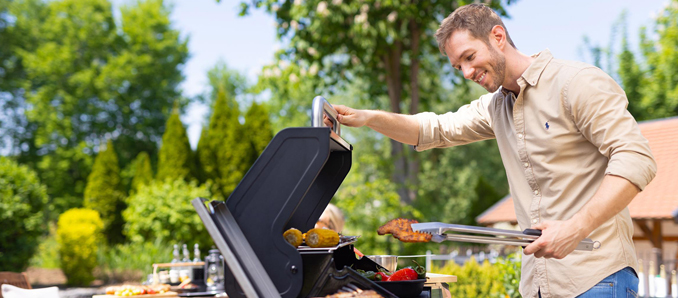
column 320, row 108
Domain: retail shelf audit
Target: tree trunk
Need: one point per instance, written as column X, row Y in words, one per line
column 395, row 87
column 413, row 161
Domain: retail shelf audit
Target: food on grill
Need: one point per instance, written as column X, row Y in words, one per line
column 401, row 229
column 421, row 270
column 322, row 238
column 382, row 276
column 403, row 274
column 131, row 290
column 356, row 293
column 293, row 236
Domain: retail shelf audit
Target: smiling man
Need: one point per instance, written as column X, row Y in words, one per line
column 573, row 154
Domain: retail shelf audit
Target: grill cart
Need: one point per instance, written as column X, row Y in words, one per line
column 289, row 185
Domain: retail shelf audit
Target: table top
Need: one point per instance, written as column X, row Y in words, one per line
column 436, row 277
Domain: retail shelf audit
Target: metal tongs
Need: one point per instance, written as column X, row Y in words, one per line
column 493, row 236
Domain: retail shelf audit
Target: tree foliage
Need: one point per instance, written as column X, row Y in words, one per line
column 162, row 211
column 23, row 201
column 143, row 173
column 258, row 129
column 659, row 81
column 80, row 77
column 225, row 150
column 104, row 192
column 390, row 45
column 649, row 76
column 175, row 159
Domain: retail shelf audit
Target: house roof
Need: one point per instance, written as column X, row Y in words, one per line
column 659, row 200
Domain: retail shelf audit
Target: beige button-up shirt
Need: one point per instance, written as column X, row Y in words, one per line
column 567, row 128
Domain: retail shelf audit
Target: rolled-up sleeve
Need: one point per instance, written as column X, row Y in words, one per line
column 600, row 113
column 471, row 123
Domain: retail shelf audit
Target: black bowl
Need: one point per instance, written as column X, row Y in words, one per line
column 404, row 288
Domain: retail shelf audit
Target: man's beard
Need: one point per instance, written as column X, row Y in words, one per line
column 498, row 64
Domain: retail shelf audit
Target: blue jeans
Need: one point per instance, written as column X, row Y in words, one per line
column 621, row 284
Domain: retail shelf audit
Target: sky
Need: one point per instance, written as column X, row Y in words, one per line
column 216, row 33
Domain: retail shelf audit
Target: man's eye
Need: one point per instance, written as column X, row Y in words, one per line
column 470, row 57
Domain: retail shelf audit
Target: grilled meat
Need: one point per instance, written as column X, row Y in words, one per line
column 401, row 229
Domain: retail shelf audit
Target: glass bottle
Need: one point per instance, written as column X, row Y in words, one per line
column 186, row 270
column 174, row 271
column 196, row 253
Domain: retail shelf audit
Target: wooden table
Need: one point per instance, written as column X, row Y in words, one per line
column 438, row 284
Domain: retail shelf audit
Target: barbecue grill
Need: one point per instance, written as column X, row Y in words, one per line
column 288, row 186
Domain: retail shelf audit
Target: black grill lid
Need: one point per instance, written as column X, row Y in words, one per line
column 289, row 185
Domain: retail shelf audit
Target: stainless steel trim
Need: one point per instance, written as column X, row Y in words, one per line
column 346, row 240
column 508, row 237
column 440, row 228
column 320, row 108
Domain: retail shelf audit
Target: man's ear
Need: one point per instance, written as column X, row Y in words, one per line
column 498, row 36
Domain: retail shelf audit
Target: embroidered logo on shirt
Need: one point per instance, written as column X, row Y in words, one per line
column 547, row 125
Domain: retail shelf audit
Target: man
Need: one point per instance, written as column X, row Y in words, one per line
column 573, row 154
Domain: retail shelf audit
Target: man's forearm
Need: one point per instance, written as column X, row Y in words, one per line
column 614, row 194
column 402, row 128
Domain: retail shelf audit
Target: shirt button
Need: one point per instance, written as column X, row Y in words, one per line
column 536, row 192
column 520, row 136
column 535, row 220
column 526, row 165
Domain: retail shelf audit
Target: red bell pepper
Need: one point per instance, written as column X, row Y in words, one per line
column 403, row 274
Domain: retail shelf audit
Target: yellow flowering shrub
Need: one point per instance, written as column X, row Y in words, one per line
column 79, row 234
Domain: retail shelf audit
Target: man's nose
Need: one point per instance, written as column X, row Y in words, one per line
column 468, row 72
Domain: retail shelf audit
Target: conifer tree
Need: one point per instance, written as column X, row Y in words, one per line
column 175, row 159
column 103, row 192
column 230, row 148
column 258, row 130
column 143, row 173
column 205, row 158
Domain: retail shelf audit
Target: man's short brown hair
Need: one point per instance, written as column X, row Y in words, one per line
column 478, row 19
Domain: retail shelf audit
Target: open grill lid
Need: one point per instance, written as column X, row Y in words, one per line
column 289, row 185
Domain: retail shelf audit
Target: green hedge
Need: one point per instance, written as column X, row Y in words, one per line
column 162, row 211
column 23, row 201
column 79, row 234
column 498, row 280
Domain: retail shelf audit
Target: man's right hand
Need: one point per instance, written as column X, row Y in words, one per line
column 351, row 117
column 402, row 128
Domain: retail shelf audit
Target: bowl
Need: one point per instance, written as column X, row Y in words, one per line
column 404, row 288
column 390, row 262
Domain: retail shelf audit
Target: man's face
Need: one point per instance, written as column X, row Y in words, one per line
column 476, row 60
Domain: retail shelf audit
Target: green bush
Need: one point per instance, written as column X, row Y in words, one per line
column 162, row 211
column 483, row 280
column 47, row 255
column 131, row 261
column 22, row 204
column 79, row 233
column 510, row 266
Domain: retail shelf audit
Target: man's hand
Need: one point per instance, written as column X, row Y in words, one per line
column 351, row 117
column 402, row 128
column 558, row 239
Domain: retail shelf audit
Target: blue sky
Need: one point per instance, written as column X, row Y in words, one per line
column 247, row 43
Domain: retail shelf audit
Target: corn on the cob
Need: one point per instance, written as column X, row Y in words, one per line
column 293, row 236
column 322, row 238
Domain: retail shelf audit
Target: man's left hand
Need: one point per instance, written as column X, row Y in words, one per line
column 558, row 239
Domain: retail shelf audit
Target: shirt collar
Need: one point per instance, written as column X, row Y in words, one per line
column 534, row 71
